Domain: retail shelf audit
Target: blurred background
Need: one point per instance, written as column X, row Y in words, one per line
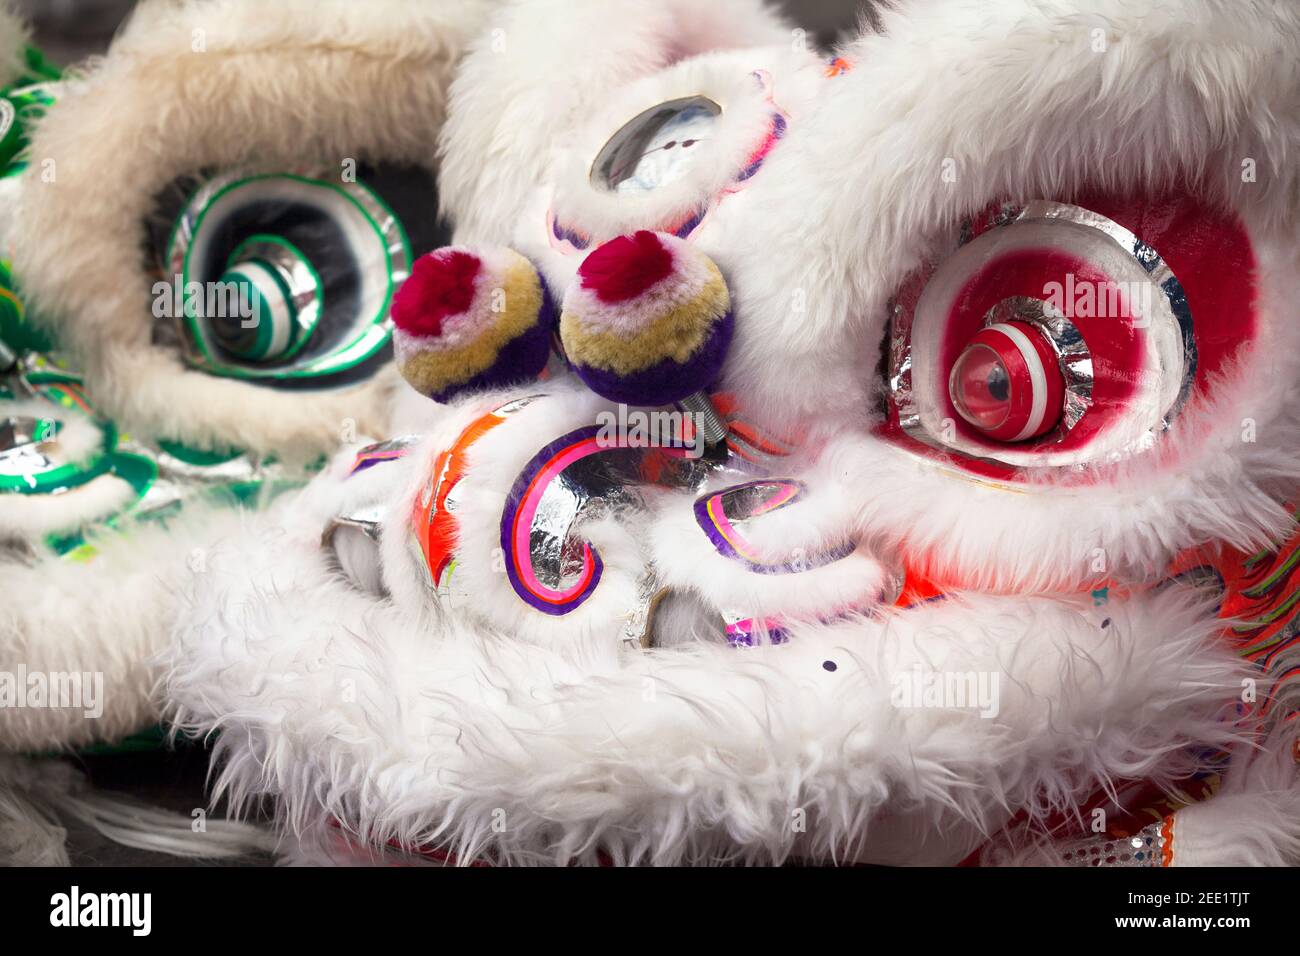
column 68, row 30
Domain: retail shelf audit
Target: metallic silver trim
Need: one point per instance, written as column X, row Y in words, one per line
column 241, row 469
column 712, row 428
column 304, row 291
column 369, row 521
column 638, row 626
column 587, row 490
column 20, row 446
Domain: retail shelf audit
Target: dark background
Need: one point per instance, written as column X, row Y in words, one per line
column 68, row 30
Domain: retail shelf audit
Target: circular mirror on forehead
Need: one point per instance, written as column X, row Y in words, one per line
column 658, row 147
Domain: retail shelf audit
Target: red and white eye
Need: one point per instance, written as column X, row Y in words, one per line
column 1007, row 382
column 1057, row 334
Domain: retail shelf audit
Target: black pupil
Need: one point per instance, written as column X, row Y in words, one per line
column 998, row 384
column 231, row 335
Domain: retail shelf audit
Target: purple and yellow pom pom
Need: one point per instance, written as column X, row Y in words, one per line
column 471, row 318
column 648, row 320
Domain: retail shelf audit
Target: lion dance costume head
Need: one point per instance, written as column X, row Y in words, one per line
column 887, row 454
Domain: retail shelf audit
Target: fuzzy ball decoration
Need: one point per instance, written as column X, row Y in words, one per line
column 471, row 318
column 647, row 320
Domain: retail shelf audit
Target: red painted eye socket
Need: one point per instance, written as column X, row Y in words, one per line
column 1007, row 382
column 1145, row 301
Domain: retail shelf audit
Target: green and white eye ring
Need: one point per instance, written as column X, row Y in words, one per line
column 319, row 260
column 261, row 329
column 276, row 296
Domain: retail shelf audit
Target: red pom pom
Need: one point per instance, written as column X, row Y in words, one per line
column 624, row 267
column 441, row 285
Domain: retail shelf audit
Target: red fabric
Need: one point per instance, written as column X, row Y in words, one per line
column 441, row 285
column 1206, row 247
column 626, row 266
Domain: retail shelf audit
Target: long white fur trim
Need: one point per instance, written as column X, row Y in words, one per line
column 1254, row 820
column 30, row 516
column 105, row 619
column 425, row 732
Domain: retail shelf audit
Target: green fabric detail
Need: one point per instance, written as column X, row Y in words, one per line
column 16, row 331
column 197, row 456
column 39, row 68
column 145, row 741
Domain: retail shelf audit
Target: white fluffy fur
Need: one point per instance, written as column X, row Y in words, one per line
column 27, row 517
column 278, row 84
column 1254, row 819
column 698, row 752
column 503, row 116
column 727, row 78
column 405, row 721
column 109, row 616
column 14, row 37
